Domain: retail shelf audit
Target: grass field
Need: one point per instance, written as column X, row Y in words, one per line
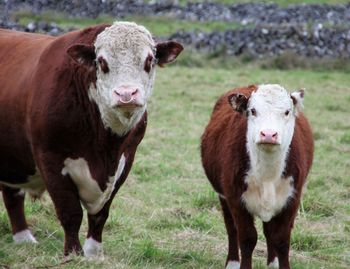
column 167, row 216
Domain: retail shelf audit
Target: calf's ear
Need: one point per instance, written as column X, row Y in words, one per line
column 298, row 98
column 238, row 102
column 167, row 52
column 82, row 54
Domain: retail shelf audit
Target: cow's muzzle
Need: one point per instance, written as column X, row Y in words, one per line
column 268, row 137
column 126, row 97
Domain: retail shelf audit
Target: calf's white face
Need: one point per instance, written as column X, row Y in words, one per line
column 124, row 56
column 271, row 113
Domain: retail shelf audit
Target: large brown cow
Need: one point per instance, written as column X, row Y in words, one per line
column 72, row 113
column 257, row 151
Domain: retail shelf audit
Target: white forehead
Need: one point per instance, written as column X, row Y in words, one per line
column 123, row 36
column 271, row 96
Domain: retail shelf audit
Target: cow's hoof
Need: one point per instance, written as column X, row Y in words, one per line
column 233, row 265
column 274, row 264
column 24, row 236
column 92, row 248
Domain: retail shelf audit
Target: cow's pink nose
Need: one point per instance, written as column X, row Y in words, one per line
column 126, row 95
column 268, row 136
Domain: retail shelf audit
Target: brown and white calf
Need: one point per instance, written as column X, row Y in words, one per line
column 72, row 113
column 257, row 151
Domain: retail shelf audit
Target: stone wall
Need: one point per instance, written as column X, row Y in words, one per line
column 261, row 30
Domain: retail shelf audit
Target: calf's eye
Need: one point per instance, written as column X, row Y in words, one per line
column 253, row 111
column 287, row 112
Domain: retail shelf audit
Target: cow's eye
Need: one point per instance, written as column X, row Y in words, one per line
column 253, row 112
column 287, row 112
column 149, row 62
column 103, row 64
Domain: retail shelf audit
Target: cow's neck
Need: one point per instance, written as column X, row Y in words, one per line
column 266, row 166
column 267, row 190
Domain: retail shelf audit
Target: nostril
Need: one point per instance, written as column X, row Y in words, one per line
column 135, row 92
column 262, row 134
column 117, row 93
column 274, row 135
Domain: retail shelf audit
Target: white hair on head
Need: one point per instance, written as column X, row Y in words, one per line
column 123, row 35
column 274, row 94
column 125, row 47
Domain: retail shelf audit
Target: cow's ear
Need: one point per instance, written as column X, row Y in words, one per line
column 167, row 52
column 82, row 54
column 298, row 98
column 238, row 102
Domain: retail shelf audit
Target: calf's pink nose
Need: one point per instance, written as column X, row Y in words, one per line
column 268, row 136
column 126, row 94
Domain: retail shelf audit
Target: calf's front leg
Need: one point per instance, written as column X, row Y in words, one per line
column 277, row 232
column 247, row 234
column 232, row 261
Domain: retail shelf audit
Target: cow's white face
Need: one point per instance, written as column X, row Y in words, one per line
column 271, row 113
column 125, row 56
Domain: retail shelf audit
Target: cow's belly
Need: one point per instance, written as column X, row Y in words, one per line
column 34, row 185
column 91, row 196
column 267, row 199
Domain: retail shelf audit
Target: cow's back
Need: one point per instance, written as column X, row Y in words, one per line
column 19, row 56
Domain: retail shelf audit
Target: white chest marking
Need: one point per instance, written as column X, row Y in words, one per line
column 265, row 199
column 91, row 196
column 34, row 186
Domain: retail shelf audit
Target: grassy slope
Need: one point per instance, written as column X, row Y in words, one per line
column 166, row 215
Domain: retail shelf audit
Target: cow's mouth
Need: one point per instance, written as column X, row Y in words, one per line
column 268, row 146
column 129, row 105
column 268, row 143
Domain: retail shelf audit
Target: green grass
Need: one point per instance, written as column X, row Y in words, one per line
column 166, row 214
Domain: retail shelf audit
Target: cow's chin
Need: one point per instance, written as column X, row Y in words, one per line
column 128, row 110
column 269, row 147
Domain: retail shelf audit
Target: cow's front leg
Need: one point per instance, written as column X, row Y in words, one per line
column 247, row 234
column 272, row 260
column 93, row 244
column 65, row 197
column 68, row 209
column 277, row 232
column 14, row 203
column 232, row 261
